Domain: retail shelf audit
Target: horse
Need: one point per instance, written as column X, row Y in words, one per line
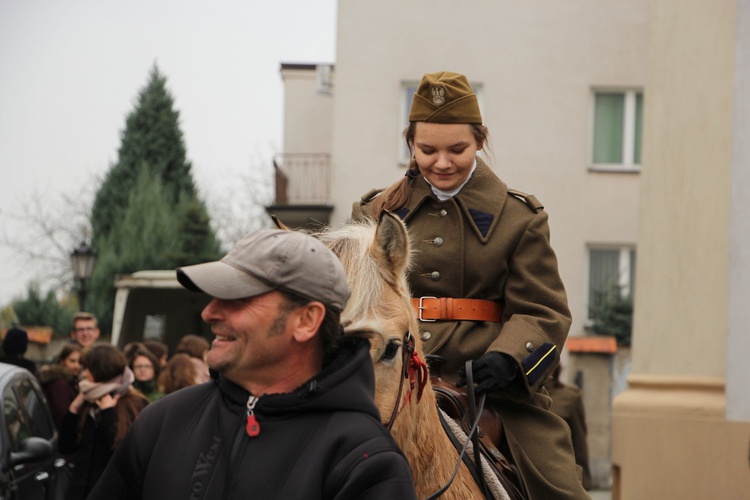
column 376, row 257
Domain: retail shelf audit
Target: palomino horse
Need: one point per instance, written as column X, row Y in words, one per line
column 376, row 257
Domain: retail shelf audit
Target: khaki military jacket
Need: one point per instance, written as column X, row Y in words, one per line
column 486, row 243
column 567, row 402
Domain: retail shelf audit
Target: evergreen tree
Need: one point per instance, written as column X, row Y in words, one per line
column 147, row 214
column 38, row 310
column 152, row 137
column 613, row 316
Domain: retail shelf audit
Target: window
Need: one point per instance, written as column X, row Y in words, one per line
column 611, row 275
column 618, row 130
column 34, row 405
column 153, row 326
column 409, row 88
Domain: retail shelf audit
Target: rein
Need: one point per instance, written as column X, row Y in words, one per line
column 412, row 368
column 475, row 413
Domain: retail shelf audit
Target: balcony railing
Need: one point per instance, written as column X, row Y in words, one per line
column 303, row 178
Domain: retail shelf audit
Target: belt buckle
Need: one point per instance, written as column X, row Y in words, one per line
column 421, row 308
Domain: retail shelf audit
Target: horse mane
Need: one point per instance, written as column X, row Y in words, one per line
column 353, row 244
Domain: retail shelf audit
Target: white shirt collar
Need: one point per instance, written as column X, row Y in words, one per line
column 445, row 195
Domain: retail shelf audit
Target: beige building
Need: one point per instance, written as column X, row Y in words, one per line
column 564, row 88
column 682, row 429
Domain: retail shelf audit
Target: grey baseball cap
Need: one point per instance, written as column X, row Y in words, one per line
column 272, row 259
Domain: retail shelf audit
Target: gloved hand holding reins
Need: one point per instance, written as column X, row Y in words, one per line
column 493, row 372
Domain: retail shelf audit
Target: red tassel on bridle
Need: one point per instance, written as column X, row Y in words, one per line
column 418, row 375
column 416, row 371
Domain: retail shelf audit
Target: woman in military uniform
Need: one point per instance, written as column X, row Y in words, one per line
column 485, row 280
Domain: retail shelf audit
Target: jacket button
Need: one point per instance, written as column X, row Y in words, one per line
column 438, row 242
column 435, row 276
column 443, row 213
column 529, row 347
column 425, row 336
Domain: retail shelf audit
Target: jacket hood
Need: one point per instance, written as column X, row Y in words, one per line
column 48, row 373
column 347, row 383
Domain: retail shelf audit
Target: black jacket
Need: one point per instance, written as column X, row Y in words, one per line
column 322, row 441
column 91, row 453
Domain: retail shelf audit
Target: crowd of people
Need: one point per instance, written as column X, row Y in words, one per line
column 95, row 391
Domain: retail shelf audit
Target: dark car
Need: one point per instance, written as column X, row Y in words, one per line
column 30, row 466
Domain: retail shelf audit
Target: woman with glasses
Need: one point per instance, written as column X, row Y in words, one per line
column 146, row 369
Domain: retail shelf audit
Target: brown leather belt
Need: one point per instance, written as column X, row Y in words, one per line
column 447, row 308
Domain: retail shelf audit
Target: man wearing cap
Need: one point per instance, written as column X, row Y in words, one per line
column 291, row 412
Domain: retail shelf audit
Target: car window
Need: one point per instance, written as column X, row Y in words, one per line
column 32, row 400
column 15, row 420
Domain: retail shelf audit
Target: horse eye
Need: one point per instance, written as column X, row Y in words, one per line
column 391, row 349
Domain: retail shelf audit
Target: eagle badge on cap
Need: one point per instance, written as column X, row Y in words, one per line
column 438, row 96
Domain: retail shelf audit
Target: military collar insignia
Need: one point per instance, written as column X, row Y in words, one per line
column 482, row 220
column 401, row 212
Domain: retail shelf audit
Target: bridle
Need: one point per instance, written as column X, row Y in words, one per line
column 413, row 369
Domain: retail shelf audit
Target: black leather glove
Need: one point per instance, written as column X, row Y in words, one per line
column 493, row 372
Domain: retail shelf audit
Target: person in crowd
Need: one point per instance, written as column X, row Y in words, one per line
column 131, row 349
column 146, row 369
column 158, row 349
column 485, row 277
column 15, row 344
column 291, row 412
column 84, row 330
column 180, row 373
column 197, row 348
column 59, row 380
column 567, row 402
column 99, row 416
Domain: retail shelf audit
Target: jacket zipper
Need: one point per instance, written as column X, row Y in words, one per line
column 239, row 440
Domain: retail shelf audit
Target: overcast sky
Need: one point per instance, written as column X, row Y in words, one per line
column 70, row 72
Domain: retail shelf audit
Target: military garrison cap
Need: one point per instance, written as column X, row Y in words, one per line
column 445, row 97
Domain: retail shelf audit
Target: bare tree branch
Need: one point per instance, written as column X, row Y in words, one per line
column 239, row 209
column 51, row 228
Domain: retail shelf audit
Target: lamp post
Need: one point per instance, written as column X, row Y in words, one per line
column 82, row 259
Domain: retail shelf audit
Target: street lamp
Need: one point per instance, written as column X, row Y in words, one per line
column 82, row 259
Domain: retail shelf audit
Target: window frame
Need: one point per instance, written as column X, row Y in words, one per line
column 627, row 266
column 630, row 128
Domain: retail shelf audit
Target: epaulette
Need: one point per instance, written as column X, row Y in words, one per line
column 530, row 200
column 371, row 194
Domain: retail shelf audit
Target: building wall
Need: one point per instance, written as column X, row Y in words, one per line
column 535, row 63
column 684, row 230
column 738, row 340
column 672, row 437
column 308, row 112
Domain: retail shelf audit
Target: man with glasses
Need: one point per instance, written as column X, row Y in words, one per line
column 84, row 331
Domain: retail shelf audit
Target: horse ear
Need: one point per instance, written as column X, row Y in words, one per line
column 277, row 222
column 391, row 244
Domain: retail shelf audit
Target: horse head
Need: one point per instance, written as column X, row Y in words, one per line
column 376, row 256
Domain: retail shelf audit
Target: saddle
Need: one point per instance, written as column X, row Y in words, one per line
column 491, row 439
